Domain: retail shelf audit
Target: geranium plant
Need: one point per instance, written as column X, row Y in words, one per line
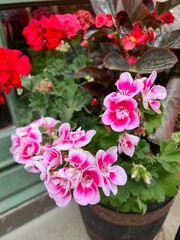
column 104, row 121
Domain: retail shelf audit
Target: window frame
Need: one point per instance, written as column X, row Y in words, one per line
column 30, row 3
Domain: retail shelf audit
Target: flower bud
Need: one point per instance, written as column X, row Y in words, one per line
column 140, row 172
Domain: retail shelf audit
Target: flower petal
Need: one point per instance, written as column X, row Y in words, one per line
column 157, row 92
column 134, row 121
column 118, row 175
column 124, row 82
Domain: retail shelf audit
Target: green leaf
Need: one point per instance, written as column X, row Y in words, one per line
column 142, row 206
column 162, row 7
column 109, row 140
column 157, row 59
column 169, row 156
column 123, row 194
column 153, row 121
column 141, row 150
column 169, row 40
column 80, row 61
column 104, row 6
column 170, row 113
column 39, row 102
column 70, row 100
column 166, row 186
column 169, row 152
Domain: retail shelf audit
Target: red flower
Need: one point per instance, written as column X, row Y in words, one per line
column 103, row 19
column 84, row 43
column 12, row 65
column 47, row 33
column 93, row 102
column 2, row 101
column 136, row 37
column 167, row 17
column 34, row 35
column 151, row 35
column 85, row 18
column 131, row 59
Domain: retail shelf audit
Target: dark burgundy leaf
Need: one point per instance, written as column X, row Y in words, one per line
column 149, row 4
column 93, row 88
column 93, row 31
column 169, row 40
column 109, row 47
column 136, row 9
column 104, row 6
column 162, row 7
column 96, row 73
column 115, row 61
column 124, row 22
column 157, row 59
column 153, row 24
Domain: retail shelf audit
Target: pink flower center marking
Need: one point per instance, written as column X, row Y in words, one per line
column 87, row 181
column 74, row 135
column 106, row 169
column 121, row 113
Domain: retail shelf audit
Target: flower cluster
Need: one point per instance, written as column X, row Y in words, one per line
column 13, row 65
column 61, row 160
column 121, row 107
column 47, row 33
column 64, row 165
column 85, row 18
column 93, row 89
column 104, row 19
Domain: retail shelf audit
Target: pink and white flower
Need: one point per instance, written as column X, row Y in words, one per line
column 80, row 159
column 69, row 139
column 35, row 165
column 86, row 191
column 47, row 122
column 25, row 143
column 59, row 187
column 26, row 150
column 127, row 143
column 85, row 176
column 120, row 113
column 51, row 158
column 149, row 95
column 127, row 86
column 112, row 175
column 23, row 133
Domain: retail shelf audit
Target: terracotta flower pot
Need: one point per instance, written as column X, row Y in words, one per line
column 104, row 224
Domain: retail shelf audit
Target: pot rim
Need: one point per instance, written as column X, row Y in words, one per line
column 130, row 219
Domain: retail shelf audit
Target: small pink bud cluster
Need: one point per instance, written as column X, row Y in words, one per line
column 64, row 166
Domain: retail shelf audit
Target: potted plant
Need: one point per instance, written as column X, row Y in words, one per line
column 127, row 155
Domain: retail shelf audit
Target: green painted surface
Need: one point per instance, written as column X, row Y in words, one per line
column 5, row 144
column 15, row 179
column 20, row 197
